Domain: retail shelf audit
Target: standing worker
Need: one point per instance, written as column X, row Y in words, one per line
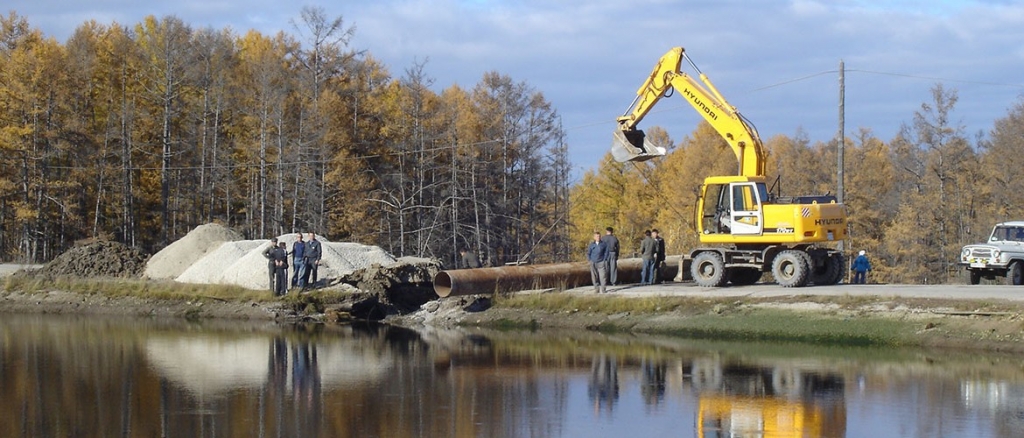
column 268, row 253
column 280, row 258
column 298, row 265
column 648, row 251
column 612, row 243
column 597, row 253
column 860, row 268
column 659, row 255
column 311, row 257
column 469, row 259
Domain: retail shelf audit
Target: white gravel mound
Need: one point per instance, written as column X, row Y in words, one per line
column 340, row 258
column 241, row 262
column 249, row 271
column 211, row 268
column 177, row 257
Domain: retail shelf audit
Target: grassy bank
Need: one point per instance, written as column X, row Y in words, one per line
column 807, row 319
column 841, row 320
column 137, row 294
column 145, row 289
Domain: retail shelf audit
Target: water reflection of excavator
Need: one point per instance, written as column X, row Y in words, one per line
column 753, row 232
column 752, row 401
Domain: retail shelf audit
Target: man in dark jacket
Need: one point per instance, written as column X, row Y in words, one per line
column 268, row 253
column 648, row 250
column 597, row 253
column 280, row 258
column 298, row 265
column 612, row 243
column 659, row 257
column 312, row 255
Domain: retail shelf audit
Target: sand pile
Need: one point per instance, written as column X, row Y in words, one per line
column 177, row 257
column 242, row 263
column 221, row 261
column 100, row 259
column 213, row 254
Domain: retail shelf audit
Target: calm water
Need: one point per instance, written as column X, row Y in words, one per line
column 91, row 377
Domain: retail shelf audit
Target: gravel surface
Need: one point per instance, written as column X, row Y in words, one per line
column 942, row 291
column 177, row 257
column 214, row 254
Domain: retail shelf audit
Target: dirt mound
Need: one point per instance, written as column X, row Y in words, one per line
column 173, row 260
column 100, row 259
column 405, row 284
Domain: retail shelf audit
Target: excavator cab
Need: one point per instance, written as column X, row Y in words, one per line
column 632, row 145
column 738, row 209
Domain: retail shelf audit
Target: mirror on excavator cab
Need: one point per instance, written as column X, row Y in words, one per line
column 632, row 145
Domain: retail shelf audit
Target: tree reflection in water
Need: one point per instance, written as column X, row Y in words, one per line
column 94, row 377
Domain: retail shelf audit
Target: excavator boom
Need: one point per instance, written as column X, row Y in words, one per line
column 629, row 143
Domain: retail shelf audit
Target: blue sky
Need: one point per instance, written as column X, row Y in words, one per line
column 776, row 61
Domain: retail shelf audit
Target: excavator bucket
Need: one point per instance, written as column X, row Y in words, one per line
column 632, row 145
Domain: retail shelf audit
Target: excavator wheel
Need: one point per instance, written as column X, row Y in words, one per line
column 744, row 276
column 839, row 262
column 708, row 269
column 791, row 268
column 831, row 270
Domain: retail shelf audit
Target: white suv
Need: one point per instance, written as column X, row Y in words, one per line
column 1002, row 256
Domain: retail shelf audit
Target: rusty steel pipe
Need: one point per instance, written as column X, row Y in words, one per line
column 506, row 279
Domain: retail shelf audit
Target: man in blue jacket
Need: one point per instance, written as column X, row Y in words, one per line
column 597, row 254
column 860, row 268
column 298, row 265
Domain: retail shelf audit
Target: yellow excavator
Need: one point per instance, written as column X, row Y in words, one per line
column 745, row 230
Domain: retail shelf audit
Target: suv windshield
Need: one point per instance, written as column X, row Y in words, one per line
column 1015, row 234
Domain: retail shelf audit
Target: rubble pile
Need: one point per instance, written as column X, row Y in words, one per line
column 405, row 284
column 99, row 259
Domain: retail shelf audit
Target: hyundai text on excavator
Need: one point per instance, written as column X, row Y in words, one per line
column 744, row 229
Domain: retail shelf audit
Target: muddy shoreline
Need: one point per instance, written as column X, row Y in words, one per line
column 882, row 321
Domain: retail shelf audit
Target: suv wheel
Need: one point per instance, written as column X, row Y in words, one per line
column 975, row 277
column 1015, row 275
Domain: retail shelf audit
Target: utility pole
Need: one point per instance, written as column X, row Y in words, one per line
column 841, row 149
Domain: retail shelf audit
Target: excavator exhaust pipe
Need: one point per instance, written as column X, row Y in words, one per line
column 632, row 145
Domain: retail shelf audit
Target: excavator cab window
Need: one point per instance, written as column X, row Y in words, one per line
column 746, row 215
column 716, row 213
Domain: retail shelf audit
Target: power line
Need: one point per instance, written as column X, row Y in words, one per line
column 282, row 164
column 903, row 75
column 821, row 73
column 962, row 81
column 569, row 128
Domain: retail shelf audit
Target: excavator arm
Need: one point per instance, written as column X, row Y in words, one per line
column 629, row 143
